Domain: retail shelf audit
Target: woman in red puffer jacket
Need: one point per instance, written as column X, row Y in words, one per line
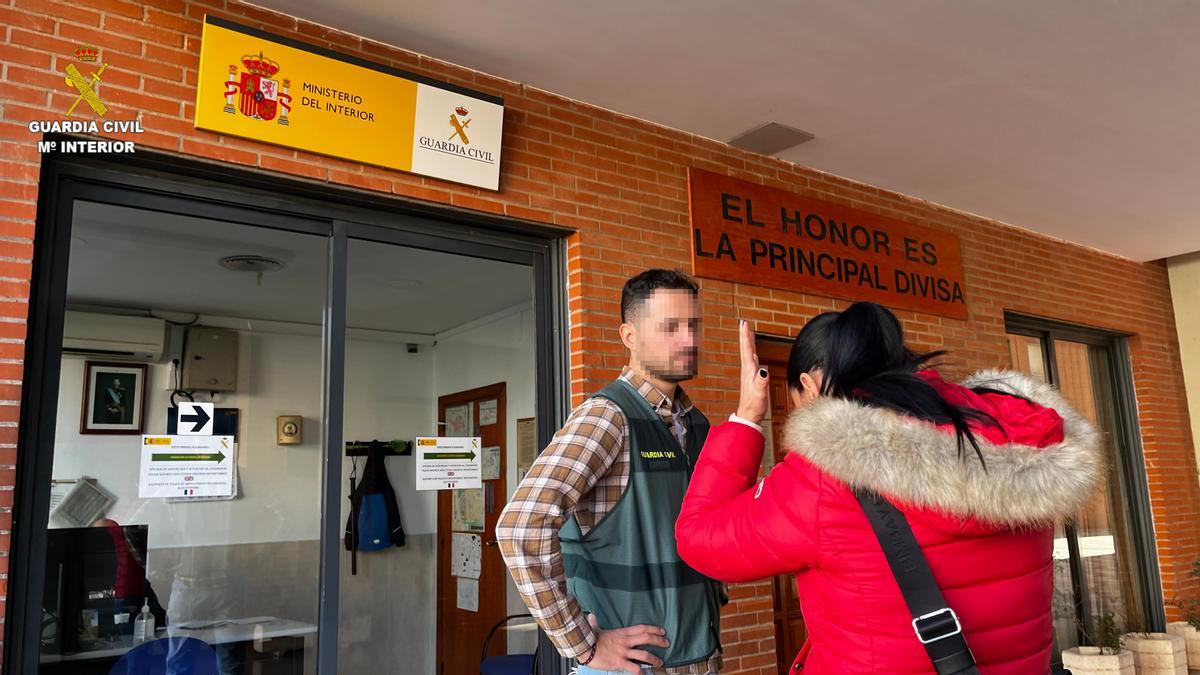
column 981, row 471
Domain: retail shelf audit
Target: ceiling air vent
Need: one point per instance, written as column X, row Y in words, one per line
column 771, row 138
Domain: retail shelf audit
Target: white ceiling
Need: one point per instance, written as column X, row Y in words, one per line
column 1076, row 118
column 136, row 259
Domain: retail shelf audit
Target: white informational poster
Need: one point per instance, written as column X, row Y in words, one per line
column 234, row 495
column 487, row 412
column 466, row 555
column 468, row 594
column 449, row 463
column 186, row 466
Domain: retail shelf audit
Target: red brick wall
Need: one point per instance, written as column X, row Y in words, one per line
column 621, row 183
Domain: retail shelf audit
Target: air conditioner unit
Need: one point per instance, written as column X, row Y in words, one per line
column 136, row 338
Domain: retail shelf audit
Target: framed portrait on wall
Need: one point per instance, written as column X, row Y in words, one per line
column 114, row 398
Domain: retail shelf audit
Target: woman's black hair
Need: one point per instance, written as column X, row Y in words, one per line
column 808, row 350
column 862, row 357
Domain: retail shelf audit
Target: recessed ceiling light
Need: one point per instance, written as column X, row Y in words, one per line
column 251, row 263
column 771, row 138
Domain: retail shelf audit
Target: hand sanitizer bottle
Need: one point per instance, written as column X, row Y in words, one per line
column 143, row 626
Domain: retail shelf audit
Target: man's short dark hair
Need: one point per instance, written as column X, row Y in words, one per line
column 638, row 289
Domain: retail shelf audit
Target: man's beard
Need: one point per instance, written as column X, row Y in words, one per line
column 675, row 375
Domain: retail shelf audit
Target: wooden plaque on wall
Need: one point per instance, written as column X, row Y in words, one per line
column 751, row 234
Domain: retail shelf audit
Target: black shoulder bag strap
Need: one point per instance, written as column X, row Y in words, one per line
column 936, row 625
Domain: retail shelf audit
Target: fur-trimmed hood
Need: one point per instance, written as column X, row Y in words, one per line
column 917, row 463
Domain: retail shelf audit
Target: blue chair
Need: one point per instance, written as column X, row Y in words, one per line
column 508, row 664
column 169, row 656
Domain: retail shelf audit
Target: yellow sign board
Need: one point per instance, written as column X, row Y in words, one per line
column 277, row 90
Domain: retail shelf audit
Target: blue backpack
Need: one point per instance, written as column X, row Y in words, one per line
column 374, row 522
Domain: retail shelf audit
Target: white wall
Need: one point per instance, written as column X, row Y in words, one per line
column 388, row 398
column 389, row 607
column 280, row 486
column 276, row 376
column 388, row 610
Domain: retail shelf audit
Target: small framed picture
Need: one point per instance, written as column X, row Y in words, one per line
column 114, row 398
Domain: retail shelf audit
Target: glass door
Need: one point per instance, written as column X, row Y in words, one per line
column 1102, row 563
column 437, row 345
column 205, row 543
column 304, row 332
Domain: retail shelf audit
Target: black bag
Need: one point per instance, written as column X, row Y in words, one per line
column 374, row 521
column 935, row 623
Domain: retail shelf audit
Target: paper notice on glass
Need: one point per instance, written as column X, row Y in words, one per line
column 187, row 466
column 237, row 483
column 487, row 412
column 449, row 463
column 468, row 510
column 526, row 445
column 458, row 421
column 466, row 555
column 468, row 594
column 491, row 463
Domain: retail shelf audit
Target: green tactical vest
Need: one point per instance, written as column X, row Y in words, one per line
column 626, row 569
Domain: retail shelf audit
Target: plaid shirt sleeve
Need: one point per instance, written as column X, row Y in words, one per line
column 581, row 453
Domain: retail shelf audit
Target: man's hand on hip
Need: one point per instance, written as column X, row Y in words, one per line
column 616, row 649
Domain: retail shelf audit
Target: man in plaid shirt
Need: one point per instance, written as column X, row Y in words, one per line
column 587, row 471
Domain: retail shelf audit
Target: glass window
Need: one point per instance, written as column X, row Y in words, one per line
column 1105, row 546
column 437, row 344
column 1094, row 554
column 214, row 535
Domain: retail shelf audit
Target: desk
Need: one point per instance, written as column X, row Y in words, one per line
column 252, row 641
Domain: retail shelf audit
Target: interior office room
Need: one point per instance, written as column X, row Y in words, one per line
column 166, row 309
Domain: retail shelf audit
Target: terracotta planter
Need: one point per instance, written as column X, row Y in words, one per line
column 1089, row 661
column 1157, row 653
column 1192, row 637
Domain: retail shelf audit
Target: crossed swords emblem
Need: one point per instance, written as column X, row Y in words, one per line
column 84, row 87
column 460, row 129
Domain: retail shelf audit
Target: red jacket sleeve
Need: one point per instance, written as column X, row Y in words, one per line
column 732, row 528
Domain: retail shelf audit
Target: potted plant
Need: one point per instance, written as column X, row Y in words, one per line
column 1189, row 628
column 1157, row 653
column 1106, row 657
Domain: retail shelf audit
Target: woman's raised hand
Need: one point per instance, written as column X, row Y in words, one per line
column 755, row 395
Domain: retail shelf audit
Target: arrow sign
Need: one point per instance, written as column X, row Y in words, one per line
column 470, row 456
column 217, row 457
column 195, row 419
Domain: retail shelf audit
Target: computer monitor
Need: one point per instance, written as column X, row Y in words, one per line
column 100, row 568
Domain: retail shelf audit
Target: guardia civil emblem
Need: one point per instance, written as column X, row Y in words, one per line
column 460, row 122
